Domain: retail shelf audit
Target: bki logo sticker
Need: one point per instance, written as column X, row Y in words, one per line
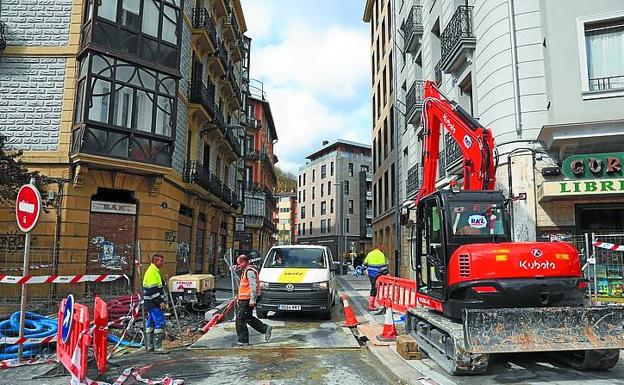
column 477, row 221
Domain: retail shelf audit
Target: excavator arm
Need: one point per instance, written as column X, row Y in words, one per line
column 474, row 140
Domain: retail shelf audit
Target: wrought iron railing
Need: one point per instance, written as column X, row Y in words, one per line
column 412, row 183
column 202, row 20
column 200, row 175
column 233, row 141
column 414, row 98
column 438, row 74
column 606, row 83
column 222, row 53
column 412, row 25
column 452, row 151
column 232, row 79
column 2, row 36
column 199, row 93
column 458, row 28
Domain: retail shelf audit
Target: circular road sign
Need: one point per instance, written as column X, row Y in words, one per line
column 68, row 316
column 27, row 207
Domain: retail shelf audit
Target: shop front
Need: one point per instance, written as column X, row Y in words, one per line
column 583, row 203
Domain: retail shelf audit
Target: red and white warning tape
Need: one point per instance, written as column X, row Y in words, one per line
column 608, row 246
column 14, row 362
column 71, row 279
column 23, row 340
column 135, row 373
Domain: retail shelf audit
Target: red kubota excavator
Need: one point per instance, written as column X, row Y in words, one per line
column 478, row 292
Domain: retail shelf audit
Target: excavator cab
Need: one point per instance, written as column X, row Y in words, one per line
column 447, row 220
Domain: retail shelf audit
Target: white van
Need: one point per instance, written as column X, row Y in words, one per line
column 298, row 278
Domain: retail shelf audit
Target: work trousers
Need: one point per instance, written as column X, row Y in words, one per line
column 245, row 317
column 155, row 318
column 373, row 281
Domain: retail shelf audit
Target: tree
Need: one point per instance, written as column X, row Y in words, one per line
column 13, row 173
column 286, row 181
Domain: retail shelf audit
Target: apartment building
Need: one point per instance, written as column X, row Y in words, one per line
column 547, row 79
column 259, row 174
column 286, row 218
column 330, row 188
column 135, row 112
column 379, row 13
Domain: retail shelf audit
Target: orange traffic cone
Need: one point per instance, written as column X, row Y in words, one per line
column 389, row 332
column 350, row 320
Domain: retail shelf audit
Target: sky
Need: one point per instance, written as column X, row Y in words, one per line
column 313, row 60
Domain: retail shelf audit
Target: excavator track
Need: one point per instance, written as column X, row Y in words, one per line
column 442, row 340
column 586, row 360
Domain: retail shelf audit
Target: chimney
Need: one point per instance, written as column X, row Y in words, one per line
column 325, row 143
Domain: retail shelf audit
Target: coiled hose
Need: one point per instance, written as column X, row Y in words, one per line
column 36, row 326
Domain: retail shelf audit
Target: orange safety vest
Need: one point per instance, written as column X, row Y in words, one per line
column 244, row 290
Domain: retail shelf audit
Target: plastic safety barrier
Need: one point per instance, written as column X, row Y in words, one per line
column 400, row 291
column 74, row 351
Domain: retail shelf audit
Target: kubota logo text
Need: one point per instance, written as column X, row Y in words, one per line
column 535, row 265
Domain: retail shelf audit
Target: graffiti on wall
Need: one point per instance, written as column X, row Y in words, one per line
column 14, row 241
column 110, row 256
column 171, row 236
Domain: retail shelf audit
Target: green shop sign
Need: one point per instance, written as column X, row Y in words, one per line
column 591, row 186
column 588, row 166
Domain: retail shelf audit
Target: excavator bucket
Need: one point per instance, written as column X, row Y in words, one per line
column 543, row 329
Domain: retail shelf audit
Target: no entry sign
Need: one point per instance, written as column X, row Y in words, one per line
column 27, row 207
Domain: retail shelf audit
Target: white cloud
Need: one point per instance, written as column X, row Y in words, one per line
column 329, row 62
column 316, row 73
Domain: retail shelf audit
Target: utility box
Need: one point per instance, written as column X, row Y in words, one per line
column 193, row 289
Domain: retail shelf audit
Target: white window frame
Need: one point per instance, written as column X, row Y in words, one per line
column 582, row 47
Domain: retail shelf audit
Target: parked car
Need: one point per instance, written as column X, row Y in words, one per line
column 299, row 278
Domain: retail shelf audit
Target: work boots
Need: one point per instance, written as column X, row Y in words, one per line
column 149, row 339
column 371, row 304
column 159, row 335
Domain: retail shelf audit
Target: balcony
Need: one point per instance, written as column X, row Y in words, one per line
column 412, row 183
column 369, row 195
column 450, row 157
column 369, row 176
column 233, row 142
column 231, row 85
column 413, row 29
column 222, row 7
column 414, row 102
column 269, row 225
column 218, row 59
column 203, row 104
column 438, row 74
column 2, row 37
column 369, row 231
column 457, row 40
column 204, row 32
column 197, row 173
column 369, row 213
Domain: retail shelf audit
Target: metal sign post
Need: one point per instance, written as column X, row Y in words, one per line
column 27, row 209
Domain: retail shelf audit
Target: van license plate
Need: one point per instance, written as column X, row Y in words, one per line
column 288, row 307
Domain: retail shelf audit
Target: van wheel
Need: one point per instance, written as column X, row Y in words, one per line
column 262, row 314
column 326, row 315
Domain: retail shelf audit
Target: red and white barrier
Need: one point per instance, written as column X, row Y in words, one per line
column 70, row 279
column 15, row 362
column 608, row 246
column 24, row 340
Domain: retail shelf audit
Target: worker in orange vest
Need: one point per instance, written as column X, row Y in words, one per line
column 248, row 292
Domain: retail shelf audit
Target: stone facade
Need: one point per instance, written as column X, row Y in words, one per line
column 37, row 22
column 31, row 103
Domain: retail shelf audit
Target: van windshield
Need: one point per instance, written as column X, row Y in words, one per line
column 296, row 258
